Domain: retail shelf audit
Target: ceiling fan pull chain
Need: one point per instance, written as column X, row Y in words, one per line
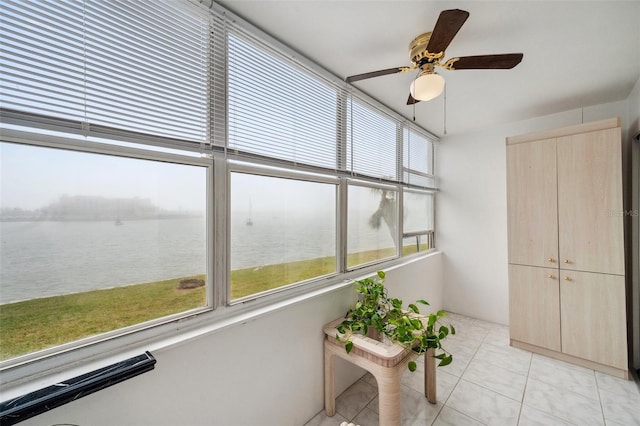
column 414, row 112
column 445, row 109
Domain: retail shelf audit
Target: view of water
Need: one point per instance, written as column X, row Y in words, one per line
column 45, row 258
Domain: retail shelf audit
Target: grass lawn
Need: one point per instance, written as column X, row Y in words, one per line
column 42, row 323
column 38, row 324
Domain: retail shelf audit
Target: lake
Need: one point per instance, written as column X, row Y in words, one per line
column 46, row 258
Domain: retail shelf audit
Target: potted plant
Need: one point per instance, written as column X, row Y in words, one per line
column 379, row 316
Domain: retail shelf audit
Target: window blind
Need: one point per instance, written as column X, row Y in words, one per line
column 172, row 69
column 371, row 141
column 276, row 109
column 42, row 58
column 138, row 66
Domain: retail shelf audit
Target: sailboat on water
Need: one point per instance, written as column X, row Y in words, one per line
column 249, row 221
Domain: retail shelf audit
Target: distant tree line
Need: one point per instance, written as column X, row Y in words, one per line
column 87, row 207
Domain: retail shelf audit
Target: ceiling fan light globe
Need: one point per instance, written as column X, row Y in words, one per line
column 427, row 87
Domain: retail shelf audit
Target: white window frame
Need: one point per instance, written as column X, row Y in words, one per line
column 429, row 233
column 73, row 145
column 371, row 185
column 218, row 313
column 234, row 166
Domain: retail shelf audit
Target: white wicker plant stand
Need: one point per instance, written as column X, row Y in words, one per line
column 385, row 362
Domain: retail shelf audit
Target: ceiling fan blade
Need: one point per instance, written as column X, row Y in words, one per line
column 448, row 25
column 372, row 74
column 411, row 100
column 504, row 61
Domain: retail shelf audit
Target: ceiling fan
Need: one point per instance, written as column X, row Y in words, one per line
column 427, row 51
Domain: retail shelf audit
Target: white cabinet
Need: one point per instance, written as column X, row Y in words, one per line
column 531, row 205
column 590, row 223
column 566, row 245
column 536, row 293
column 593, row 317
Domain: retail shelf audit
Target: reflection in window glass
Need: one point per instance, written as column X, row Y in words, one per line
column 418, row 221
column 91, row 243
column 283, row 231
column 372, row 224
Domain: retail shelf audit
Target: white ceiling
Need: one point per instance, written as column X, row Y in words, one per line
column 576, row 53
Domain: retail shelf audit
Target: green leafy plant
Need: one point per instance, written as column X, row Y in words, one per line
column 375, row 310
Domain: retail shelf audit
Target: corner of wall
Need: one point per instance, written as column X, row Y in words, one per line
column 633, row 116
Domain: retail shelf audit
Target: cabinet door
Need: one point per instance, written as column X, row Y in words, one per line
column 532, row 203
column 590, row 212
column 534, row 306
column 593, row 317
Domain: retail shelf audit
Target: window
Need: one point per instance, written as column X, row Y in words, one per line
column 372, row 224
column 91, row 243
column 418, row 159
column 277, row 110
column 283, row 231
column 371, row 142
column 418, row 223
column 118, row 64
column 116, row 114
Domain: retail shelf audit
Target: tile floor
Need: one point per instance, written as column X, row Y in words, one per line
column 491, row 383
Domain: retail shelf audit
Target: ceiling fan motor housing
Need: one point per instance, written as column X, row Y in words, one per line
column 418, row 50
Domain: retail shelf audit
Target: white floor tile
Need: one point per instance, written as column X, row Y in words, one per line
column 484, row 405
column 415, row 380
column 498, row 338
column 496, row 378
column 512, row 359
column 321, row 419
column 366, row 417
column 416, row 409
column 450, row 417
column 622, row 409
column 562, row 403
column 445, row 382
column 368, row 378
column 530, row 416
column 459, row 364
column 354, row 399
column 618, row 386
column 492, row 383
column 563, row 375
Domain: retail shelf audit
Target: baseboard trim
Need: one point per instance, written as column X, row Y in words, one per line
column 607, row 369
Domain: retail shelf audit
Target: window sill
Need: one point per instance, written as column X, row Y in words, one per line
column 34, row 374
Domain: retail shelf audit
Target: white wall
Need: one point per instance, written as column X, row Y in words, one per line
column 472, row 213
column 266, row 371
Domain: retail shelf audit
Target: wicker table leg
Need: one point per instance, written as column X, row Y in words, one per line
column 389, row 405
column 329, row 388
column 430, row 375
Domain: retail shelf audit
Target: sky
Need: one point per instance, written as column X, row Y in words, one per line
column 33, row 177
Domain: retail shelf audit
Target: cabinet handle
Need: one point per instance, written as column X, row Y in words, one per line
column 567, row 261
column 552, row 260
column 568, row 279
column 553, row 277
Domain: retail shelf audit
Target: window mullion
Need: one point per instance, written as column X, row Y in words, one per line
column 341, row 131
column 343, row 201
column 219, row 204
